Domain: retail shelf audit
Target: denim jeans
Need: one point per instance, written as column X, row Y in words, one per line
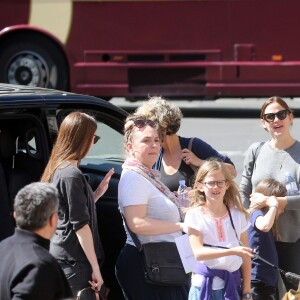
column 194, row 294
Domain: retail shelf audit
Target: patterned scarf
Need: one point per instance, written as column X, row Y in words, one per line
column 153, row 176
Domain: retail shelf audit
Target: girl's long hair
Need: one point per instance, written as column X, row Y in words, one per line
column 73, row 141
column 232, row 195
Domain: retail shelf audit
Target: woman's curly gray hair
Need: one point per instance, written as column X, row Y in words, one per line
column 165, row 113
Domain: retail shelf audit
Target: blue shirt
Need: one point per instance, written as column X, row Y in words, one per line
column 264, row 244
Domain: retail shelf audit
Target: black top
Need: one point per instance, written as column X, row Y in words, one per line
column 201, row 149
column 76, row 209
column 29, row 271
column 172, row 181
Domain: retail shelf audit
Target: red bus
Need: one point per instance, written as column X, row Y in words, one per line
column 174, row 48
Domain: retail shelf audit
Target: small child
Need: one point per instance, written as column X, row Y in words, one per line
column 264, row 278
column 217, row 227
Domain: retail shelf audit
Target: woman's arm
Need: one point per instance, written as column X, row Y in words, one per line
column 246, row 181
column 191, row 159
column 103, row 186
column 85, row 238
column 139, row 223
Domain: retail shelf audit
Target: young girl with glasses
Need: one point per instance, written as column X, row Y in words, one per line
column 217, row 228
column 278, row 155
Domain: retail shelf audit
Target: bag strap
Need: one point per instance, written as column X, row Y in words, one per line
column 232, row 224
column 190, row 145
column 256, row 153
column 134, row 237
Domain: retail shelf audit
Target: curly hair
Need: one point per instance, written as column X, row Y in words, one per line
column 165, row 113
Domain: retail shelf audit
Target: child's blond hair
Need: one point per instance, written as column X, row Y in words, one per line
column 232, row 196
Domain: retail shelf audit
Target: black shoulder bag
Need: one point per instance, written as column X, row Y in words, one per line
column 161, row 262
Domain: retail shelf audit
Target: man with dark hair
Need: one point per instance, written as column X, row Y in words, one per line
column 27, row 269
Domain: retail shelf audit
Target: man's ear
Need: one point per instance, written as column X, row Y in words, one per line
column 53, row 219
column 14, row 215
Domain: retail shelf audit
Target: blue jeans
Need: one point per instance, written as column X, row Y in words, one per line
column 194, row 294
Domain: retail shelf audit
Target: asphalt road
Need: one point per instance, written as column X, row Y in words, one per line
column 229, row 125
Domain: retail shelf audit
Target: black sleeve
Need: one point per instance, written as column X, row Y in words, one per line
column 75, row 192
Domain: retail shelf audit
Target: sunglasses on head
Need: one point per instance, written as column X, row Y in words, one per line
column 281, row 115
column 96, row 138
column 140, row 123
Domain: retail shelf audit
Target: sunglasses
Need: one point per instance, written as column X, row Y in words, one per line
column 281, row 115
column 96, row 139
column 212, row 184
column 139, row 123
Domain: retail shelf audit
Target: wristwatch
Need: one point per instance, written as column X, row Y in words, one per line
column 247, row 296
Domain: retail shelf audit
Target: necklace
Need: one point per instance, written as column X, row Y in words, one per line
column 283, row 160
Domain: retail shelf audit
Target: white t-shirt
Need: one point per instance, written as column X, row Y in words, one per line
column 134, row 189
column 219, row 232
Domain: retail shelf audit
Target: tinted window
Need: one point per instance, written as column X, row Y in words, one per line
column 110, row 145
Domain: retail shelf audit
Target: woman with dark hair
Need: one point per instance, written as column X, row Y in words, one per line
column 272, row 159
column 179, row 156
column 76, row 243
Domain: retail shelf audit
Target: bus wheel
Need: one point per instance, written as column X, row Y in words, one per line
column 33, row 61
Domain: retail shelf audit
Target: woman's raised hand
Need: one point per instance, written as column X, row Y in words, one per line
column 103, row 186
column 190, row 158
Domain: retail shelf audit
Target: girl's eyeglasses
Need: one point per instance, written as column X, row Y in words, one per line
column 281, row 115
column 96, row 139
column 140, row 123
column 212, row 184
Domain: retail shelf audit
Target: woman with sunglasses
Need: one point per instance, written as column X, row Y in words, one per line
column 273, row 159
column 76, row 243
column 149, row 209
column 179, row 156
